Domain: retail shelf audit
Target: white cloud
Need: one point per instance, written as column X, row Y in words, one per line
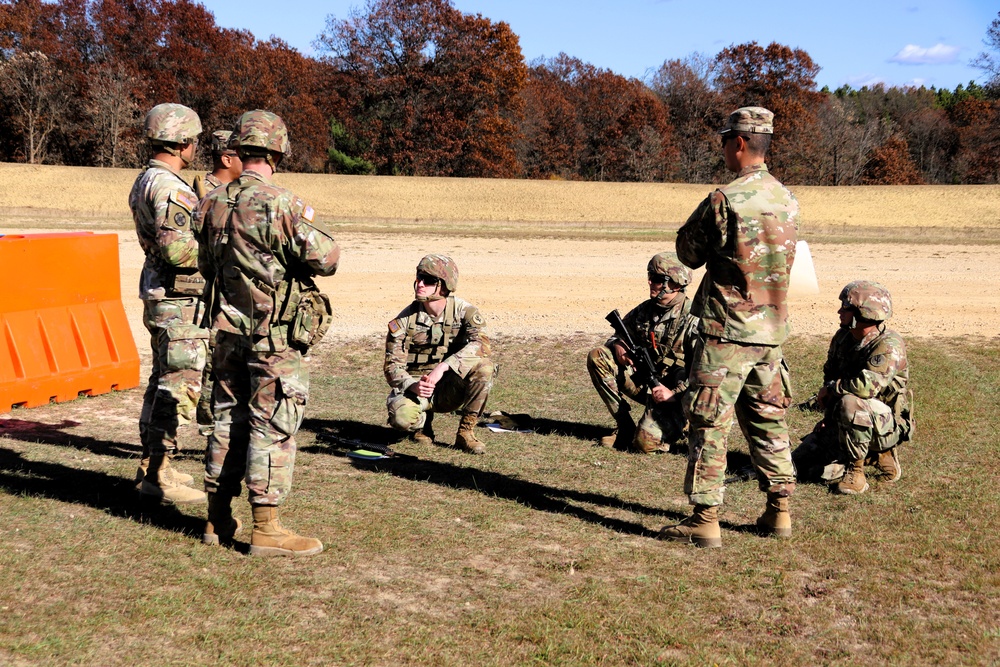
column 863, row 80
column 939, row 54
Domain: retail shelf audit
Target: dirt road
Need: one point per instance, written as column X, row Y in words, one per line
column 541, row 287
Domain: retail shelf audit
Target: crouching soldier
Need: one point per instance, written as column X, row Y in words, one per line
column 663, row 324
column 865, row 398
column 437, row 358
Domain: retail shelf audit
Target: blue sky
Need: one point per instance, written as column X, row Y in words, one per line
column 897, row 42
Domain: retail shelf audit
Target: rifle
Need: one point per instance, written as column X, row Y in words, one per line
column 645, row 366
column 811, row 404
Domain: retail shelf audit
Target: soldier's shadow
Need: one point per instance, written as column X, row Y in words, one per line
column 114, row 495
column 341, row 436
column 54, row 434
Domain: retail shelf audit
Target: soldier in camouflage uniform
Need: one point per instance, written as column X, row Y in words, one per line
column 865, row 395
column 665, row 326
column 263, row 245
column 171, row 289
column 226, row 167
column 745, row 235
column 437, row 358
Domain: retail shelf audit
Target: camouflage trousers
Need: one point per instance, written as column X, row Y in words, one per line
column 204, row 411
column 852, row 428
column 661, row 425
column 464, row 394
column 749, row 383
column 180, row 351
column 259, row 402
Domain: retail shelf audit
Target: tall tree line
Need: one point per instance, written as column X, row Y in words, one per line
column 417, row 87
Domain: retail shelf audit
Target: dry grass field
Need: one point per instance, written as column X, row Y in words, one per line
column 541, row 552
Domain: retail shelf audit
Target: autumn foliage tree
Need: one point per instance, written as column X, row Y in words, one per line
column 782, row 79
column 432, row 91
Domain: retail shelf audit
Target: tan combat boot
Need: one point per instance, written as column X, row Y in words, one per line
column 623, row 435
column 425, row 436
column 270, row 538
column 221, row 525
column 701, row 528
column 775, row 520
column 173, row 473
column 466, row 439
column 887, row 463
column 159, row 483
column 854, row 481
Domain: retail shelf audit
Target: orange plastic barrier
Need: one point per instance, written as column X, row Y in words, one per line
column 63, row 329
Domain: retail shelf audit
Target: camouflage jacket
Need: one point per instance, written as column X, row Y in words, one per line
column 745, row 234
column 416, row 343
column 263, row 244
column 211, row 182
column 671, row 333
column 874, row 367
column 162, row 204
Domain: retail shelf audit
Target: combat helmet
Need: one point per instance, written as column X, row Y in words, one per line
column 261, row 133
column 220, row 142
column 172, row 123
column 667, row 264
column 869, row 300
column 440, row 266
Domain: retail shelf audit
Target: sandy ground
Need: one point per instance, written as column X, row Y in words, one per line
column 539, row 287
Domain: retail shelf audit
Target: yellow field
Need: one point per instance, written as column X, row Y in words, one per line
column 102, row 193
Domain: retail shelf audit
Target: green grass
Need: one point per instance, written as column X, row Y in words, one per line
column 541, row 552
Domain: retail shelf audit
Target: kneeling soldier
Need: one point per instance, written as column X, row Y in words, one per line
column 664, row 324
column 865, row 397
column 437, row 358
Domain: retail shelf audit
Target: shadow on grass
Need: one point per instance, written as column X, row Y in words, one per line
column 53, row 434
column 114, row 495
column 341, row 436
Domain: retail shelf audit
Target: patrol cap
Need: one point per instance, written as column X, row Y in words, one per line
column 751, row 120
column 220, row 142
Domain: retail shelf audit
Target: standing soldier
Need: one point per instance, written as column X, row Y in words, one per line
column 437, row 358
column 226, row 167
column 665, row 326
column 171, row 289
column 865, row 397
column 264, row 246
column 745, row 235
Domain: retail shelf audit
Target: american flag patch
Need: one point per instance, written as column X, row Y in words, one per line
column 186, row 199
column 308, row 214
column 394, row 326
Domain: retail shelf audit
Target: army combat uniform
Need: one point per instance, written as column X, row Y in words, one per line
column 869, row 402
column 670, row 333
column 263, row 244
column 171, row 289
column 416, row 343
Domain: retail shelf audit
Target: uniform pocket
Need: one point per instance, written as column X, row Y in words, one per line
column 291, row 398
column 704, row 395
column 187, row 348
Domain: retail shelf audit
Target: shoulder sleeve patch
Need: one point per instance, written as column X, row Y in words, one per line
column 478, row 319
column 394, row 326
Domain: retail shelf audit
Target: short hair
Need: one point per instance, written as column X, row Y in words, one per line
column 757, row 143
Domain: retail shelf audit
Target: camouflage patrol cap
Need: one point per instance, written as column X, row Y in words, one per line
column 667, row 264
column 261, row 130
column 220, row 141
column 440, row 266
column 871, row 300
column 752, row 120
column 172, row 123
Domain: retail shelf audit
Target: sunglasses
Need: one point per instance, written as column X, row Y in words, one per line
column 430, row 281
column 656, row 278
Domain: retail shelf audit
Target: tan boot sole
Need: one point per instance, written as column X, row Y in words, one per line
column 273, row 552
column 214, row 539
column 701, row 542
column 852, row 492
column 773, row 531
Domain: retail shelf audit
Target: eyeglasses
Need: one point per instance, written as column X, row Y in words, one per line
column 428, row 280
column 656, row 278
